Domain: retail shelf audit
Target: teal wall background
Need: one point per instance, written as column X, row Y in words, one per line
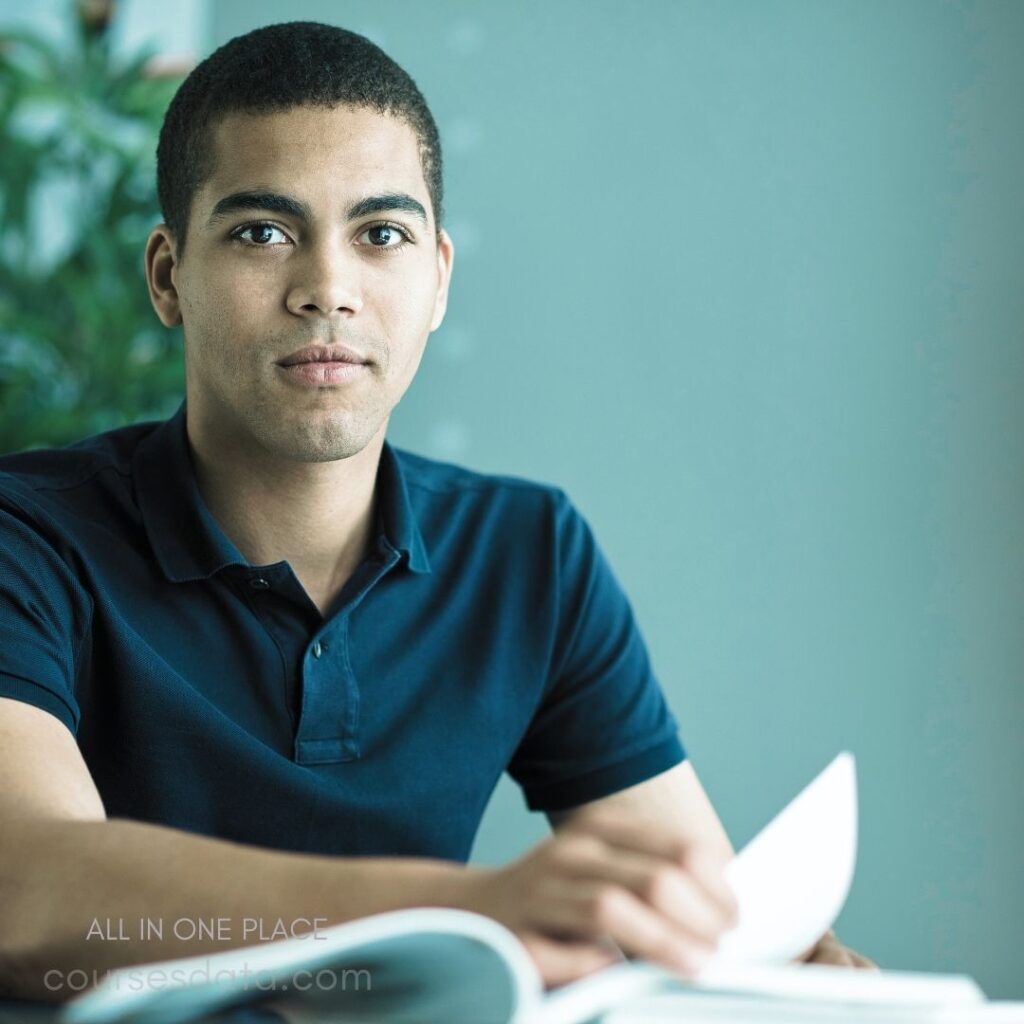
column 747, row 278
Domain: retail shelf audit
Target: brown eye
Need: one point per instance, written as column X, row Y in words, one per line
column 261, row 234
column 386, row 236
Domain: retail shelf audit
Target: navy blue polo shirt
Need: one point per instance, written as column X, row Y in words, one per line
column 484, row 632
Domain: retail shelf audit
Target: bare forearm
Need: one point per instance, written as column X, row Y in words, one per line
column 70, row 890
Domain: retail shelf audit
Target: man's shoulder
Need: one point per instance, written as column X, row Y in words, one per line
column 499, row 511
column 459, row 482
column 41, row 472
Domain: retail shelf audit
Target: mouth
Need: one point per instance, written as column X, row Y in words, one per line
column 323, row 354
column 318, row 366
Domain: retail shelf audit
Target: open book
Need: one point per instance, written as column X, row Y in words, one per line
column 438, row 965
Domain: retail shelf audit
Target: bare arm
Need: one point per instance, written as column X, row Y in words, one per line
column 64, row 865
column 607, row 879
column 674, row 800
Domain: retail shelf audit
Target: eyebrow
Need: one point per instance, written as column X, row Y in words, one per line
column 278, row 202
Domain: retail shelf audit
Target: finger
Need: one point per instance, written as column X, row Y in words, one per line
column 834, row 956
column 709, row 873
column 663, row 886
column 863, row 962
column 594, row 911
column 829, row 950
column 640, row 932
column 647, row 838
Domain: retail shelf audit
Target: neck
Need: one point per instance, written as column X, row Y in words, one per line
column 317, row 516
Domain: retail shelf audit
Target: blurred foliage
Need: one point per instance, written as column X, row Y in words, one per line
column 81, row 349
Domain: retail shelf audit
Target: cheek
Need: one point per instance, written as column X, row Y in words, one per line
column 408, row 335
column 219, row 284
column 411, row 314
column 218, row 310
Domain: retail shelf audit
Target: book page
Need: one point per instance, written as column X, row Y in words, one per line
column 452, row 965
column 791, row 880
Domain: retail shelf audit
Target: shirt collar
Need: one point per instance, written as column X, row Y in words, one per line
column 398, row 518
column 189, row 543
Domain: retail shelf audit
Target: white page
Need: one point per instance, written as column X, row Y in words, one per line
column 760, row 993
column 719, row 1009
column 701, row 1008
column 791, row 880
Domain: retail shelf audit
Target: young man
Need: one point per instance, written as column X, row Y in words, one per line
column 257, row 663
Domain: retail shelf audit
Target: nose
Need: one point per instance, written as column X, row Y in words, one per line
column 326, row 281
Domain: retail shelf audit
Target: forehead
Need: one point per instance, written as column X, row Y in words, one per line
column 316, row 149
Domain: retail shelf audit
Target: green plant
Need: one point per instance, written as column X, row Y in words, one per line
column 81, row 350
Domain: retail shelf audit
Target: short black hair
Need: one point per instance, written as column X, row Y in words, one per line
column 278, row 67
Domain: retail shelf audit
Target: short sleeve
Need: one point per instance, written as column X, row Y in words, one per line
column 44, row 612
column 603, row 723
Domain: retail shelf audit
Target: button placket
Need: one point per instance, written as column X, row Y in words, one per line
column 328, row 728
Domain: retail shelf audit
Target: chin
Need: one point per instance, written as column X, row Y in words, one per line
column 319, row 438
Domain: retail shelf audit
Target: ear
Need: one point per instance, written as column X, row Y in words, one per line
column 161, row 262
column 445, row 261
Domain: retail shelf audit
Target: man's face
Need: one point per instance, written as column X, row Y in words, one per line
column 279, row 257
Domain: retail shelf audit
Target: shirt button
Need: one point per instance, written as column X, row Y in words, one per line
column 259, row 583
column 318, row 649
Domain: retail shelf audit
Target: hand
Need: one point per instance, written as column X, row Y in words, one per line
column 605, row 882
column 829, row 950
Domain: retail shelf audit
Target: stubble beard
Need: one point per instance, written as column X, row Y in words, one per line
column 321, row 425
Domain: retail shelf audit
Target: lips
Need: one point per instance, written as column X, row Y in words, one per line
column 323, row 354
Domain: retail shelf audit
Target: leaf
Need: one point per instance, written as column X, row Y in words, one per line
column 80, row 347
